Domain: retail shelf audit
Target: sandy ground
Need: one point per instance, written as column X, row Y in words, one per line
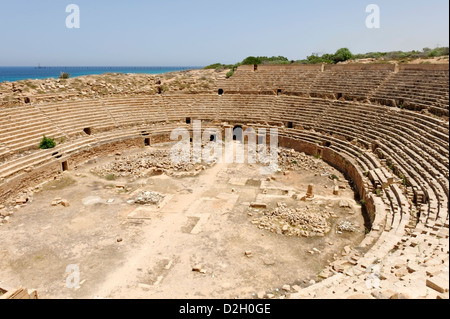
column 128, row 251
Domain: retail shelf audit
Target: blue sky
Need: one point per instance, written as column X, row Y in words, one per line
column 201, row 32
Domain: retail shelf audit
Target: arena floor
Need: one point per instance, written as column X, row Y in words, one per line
column 200, row 241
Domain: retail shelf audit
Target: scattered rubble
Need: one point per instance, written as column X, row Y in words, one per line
column 347, row 226
column 108, row 84
column 59, row 201
column 291, row 160
column 149, row 198
column 294, row 221
column 146, row 164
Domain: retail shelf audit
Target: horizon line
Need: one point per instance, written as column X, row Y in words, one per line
column 101, row 66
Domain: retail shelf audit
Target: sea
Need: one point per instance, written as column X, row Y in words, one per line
column 41, row 72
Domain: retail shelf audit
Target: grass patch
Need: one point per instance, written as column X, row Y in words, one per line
column 110, row 177
column 334, row 177
column 38, row 258
column 59, row 184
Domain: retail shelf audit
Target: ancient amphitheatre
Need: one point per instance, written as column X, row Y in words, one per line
column 371, row 140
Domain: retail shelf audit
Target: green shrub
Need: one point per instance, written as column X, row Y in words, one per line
column 342, row 55
column 233, row 68
column 47, row 143
column 274, row 60
column 230, row 74
column 64, row 75
column 316, row 59
column 218, row 66
column 213, row 66
column 437, row 52
column 251, row 60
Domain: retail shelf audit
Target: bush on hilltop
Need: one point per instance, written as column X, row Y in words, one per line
column 342, row 55
column 64, row 75
column 251, row 60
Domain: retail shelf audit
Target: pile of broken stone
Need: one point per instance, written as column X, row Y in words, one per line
column 146, row 164
column 8, row 209
column 347, row 226
column 291, row 160
column 148, row 198
column 300, row 222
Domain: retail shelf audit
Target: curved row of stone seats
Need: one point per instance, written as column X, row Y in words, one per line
column 269, row 79
column 204, row 108
column 378, row 141
column 359, row 129
column 228, row 105
column 135, row 111
column 76, row 144
column 39, row 158
column 176, row 105
column 316, row 119
column 44, row 98
column 193, row 106
column 330, row 126
column 397, row 132
column 416, row 87
column 351, row 81
column 24, row 163
column 242, row 109
column 385, row 118
column 4, row 151
column 286, row 108
column 35, row 158
column 434, row 172
column 350, row 130
column 435, row 154
column 420, row 183
column 74, row 117
column 22, row 128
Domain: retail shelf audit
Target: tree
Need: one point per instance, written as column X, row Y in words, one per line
column 342, row 55
column 251, row 60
